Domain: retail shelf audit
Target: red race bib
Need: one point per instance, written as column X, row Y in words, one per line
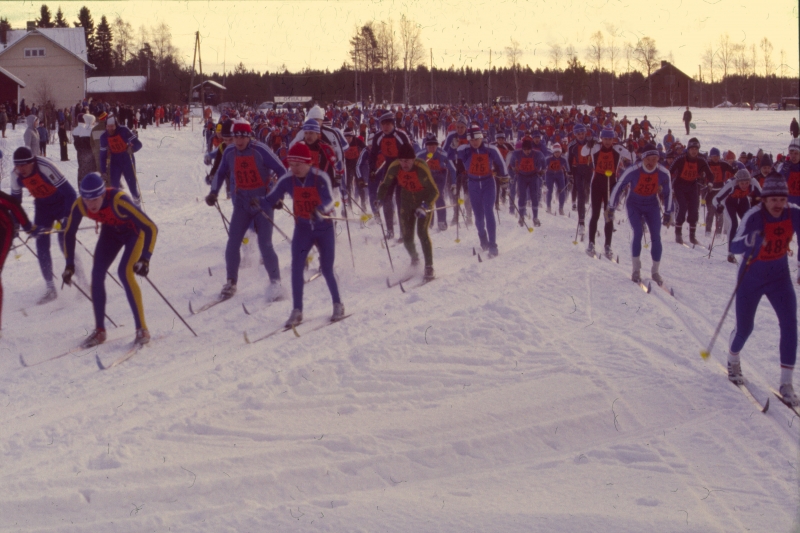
column 689, row 172
column 107, row 216
column 604, row 163
column 794, row 183
column 246, row 173
column 434, row 165
column 351, row 153
column 116, row 144
column 409, row 181
column 526, row 165
column 479, row 165
column 777, row 237
column 38, row 186
column 555, row 165
column 717, row 171
column 647, row 185
column 315, row 157
column 389, row 147
column 739, row 193
column 306, row 200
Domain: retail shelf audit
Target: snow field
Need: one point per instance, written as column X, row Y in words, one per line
column 538, row 391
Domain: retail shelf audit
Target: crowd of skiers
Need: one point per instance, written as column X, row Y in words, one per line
column 384, row 162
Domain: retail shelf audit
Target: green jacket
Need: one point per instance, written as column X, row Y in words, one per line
column 417, row 184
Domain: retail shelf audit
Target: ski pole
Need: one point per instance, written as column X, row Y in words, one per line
column 711, row 246
column 530, row 229
column 707, row 352
column 386, row 242
column 265, row 215
column 349, row 239
column 575, row 242
column 71, row 282
column 224, row 220
column 169, row 304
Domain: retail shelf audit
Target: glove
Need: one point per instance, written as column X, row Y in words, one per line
column 665, row 220
column 361, row 184
column 142, row 267
column 319, row 216
column 36, row 231
column 422, row 210
column 211, row 199
column 720, row 209
column 209, row 179
column 207, row 159
column 377, row 204
column 66, row 277
column 278, row 205
column 453, row 190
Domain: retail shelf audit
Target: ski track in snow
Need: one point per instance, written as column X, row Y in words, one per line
column 538, row 391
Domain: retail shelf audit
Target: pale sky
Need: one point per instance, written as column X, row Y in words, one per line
column 267, row 34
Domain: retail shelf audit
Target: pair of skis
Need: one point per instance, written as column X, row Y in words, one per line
column 293, row 329
column 80, row 350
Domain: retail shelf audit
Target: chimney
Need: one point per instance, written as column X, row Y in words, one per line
column 663, row 63
column 3, row 35
column 31, row 25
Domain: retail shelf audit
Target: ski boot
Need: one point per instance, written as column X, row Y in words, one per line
column 142, row 337
column 608, row 252
column 549, row 211
column 654, row 273
column 787, row 391
column 442, row 226
column 735, row 372
column 415, row 261
column 561, row 211
column 692, row 236
column 295, row 318
column 95, row 338
column 493, row 251
column 48, row 296
column 574, row 206
column 338, row 312
column 732, row 259
column 581, row 230
column 636, row 275
column 275, row 291
column 536, row 222
column 521, row 221
column 679, row 235
column 590, row 250
column 429, row 275
column 228, row 290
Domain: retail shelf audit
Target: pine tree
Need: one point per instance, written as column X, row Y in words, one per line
column 85, row 21
column 104, row 44
column 45, row 20
column 60, row 21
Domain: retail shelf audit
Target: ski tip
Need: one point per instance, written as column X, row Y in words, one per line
column 245, row 309
column 191, row 311
column 388, row 283
column 246, row 339
column 294, row 330
column 401, row 286
column 479, row 259
column 671, row 291
column 99, row 362
column 209, row 271
column 649, row 287
column 473, row 251
column 766, row 407
column 22, row 361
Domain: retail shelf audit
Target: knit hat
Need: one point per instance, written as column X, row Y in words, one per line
column 714, row 152
column 92, row 186
column 474, row 132
column 579, row 128
column 693, row 143
column 242, row 129
column 556, row 148
column 316, row 112
column 102, row 116
column 649, row 150
column 607, row 133
column 406, row 152
column 431, row 139
column 500, row 135
column 527, row 144
column 387, row 117
column 742, row 175
column 23, row 156
column 536, row 134
column 794, row 144
column 227, row 128
column 349, row 131
column 111, row 121
column 311, row 125
column 462, row 120
column 766, row 161
column 299, row 153
column 774, row 186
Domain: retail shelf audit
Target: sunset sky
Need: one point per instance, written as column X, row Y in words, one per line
column 265, row 35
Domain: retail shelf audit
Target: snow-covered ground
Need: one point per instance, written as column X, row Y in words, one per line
column 538, row 391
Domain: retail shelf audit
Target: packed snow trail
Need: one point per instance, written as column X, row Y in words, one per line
column 537, row 391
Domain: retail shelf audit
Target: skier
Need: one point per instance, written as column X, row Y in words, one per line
column 312, row 195
column 478, row 160
column 442, row 170
column 556, row 168
column 605, row 162
column 581, row 174
column 764, row 236
column 687, row 120
column 735, row 198
column 452, row 142
column 648, row 180
column 10, row 211
column 687, row 172
column 122, row 225
column 82, row 137
column 791, row 171
column 247, row 164
column 351, row 155
column 722, row 172
column 122, row 143
column 53, row 197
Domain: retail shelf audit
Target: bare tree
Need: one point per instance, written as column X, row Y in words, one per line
column 556, row 55
column 630, row 53
column 594, row 55
column 769, row 66
column 513, row 53
column 741, row 64
column 123, row 37
column 782, row 68
column 710, row 63
column 613, row 51
column 647, row 57
column 572, row 61
column 389, row 54
column 725, row 53
column 411, row 46
column 161, row 39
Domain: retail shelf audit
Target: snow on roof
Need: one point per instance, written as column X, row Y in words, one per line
column 13, row 78
column 543, row 96
column 72, row 40
column 210, row 82
column 115, row 84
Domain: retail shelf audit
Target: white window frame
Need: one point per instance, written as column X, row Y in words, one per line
column 34, row 52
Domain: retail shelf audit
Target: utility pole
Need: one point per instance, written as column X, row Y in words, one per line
column 202, row 87
column 191, row 78
column 431, row 100
column 489, row 92
column 700, row 79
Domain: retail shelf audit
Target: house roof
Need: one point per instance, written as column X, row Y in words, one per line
column 115, row 84
column 73, row 40
column 543, row 96
column 13, row 78
column 666, row 65
column 210, row 82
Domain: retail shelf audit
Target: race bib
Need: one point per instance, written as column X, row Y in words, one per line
column 306, row 200
column 246, row 173
column 315, row 159
column 526, row 165
column 434, row 165
column 389, row 147
column 604, row 163
column 794, row 183
column 689, row 172
column 116, row 144
column 479, row 165
column 647, row 185
column 351, row 153
column 409, row 181
column 38, row 186
column 717, row 172
column 738, row 193
column 555, row 165
column 777, row 237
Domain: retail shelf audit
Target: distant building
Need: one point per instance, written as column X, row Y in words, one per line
column 671, row 87
column 544, row 97
column 212, row 91
column 122, row 89
column 51, row 62
column 10, row 86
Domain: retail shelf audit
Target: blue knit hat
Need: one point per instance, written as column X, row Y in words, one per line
column 579, row 128
column 649, row 150
column 431, row 139
column 92, row 186
column 607, row 133
column 311, row 125
column 774, row 186
column 714, row 151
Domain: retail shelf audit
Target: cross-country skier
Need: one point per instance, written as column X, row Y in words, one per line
column 117, row 146
column 248, row 165
column 722, row 172
column 791, row 171
column 312, row 195
column 648, row 180
column 528, row 166
column 735, row 198
column 764, row 238
column 10, row 211
column 123, row 226
column 688, row 172
column 417, row 197
column 53, row 197
column 556, row 169
column 581, row 166
column 442, row 170
column 452, row 142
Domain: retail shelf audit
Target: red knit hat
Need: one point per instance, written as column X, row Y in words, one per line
column 299, row 153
